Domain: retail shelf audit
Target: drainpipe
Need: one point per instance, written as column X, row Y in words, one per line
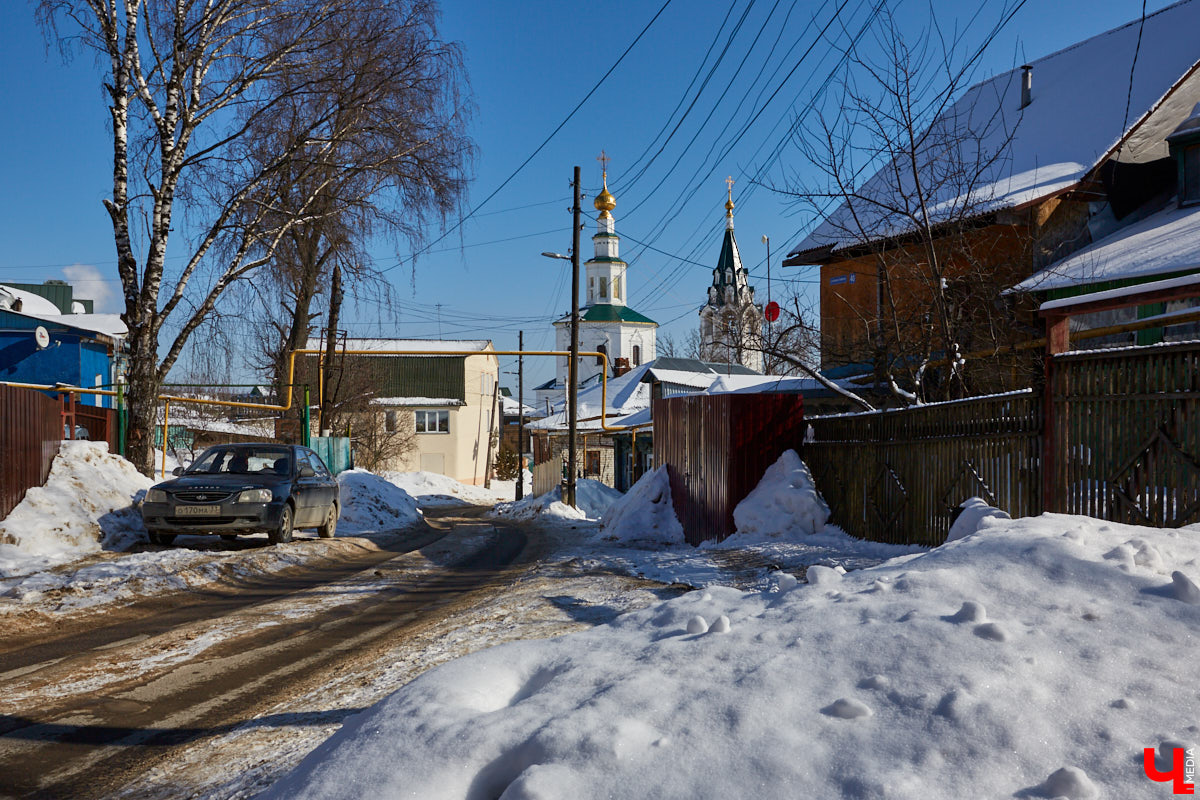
column 1026, row 85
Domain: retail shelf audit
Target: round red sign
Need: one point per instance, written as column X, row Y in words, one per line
column 771, row 312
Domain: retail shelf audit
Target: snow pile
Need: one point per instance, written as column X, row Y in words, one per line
column 971, row 518
column 785, row 504
column 88, row 503
column 645, row 512
column 433, row 489
column 372, row 503
column 592, row 499
column 1036, row 661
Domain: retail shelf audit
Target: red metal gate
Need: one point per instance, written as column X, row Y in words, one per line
column 717, row 447
column 30, row 432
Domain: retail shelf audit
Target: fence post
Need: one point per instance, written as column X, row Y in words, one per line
column 1058, row 340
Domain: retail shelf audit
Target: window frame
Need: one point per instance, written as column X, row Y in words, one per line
column 421, row 418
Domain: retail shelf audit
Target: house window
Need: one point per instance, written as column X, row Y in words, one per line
column 601, row 349
column 433, row 421
column 1190, row 192
column 389, row 421
column 637, row 355
column 604, row 288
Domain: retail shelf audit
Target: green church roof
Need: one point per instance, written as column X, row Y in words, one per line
column 606, row 312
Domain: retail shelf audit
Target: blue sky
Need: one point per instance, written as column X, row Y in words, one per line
column 529, row 65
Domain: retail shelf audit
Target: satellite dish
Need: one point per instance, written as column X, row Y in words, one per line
column 42, row 337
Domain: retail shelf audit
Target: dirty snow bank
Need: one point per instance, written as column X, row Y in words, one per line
column 592, row 499
column 432, row 489
column 372, row 503
column 645, row 513
column 1035, row 661
column 88, row 503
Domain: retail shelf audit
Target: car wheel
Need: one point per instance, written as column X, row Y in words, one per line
column 163, row 539
column 329, row 528
column 283, row 533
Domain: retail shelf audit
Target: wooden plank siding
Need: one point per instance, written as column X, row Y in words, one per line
column 898, row 476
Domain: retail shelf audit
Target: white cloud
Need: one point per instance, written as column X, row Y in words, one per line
column 91, row 283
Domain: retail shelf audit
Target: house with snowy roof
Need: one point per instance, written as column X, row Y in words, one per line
column 49, row 337
column 1074, row 148
column 439, row 395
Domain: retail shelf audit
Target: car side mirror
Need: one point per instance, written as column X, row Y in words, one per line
column 177, row 471
column 307, row 472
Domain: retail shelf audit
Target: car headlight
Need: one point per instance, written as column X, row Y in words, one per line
column 156, row 496
column 254, row 496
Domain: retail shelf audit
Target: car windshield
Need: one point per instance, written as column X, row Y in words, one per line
column 243, row 461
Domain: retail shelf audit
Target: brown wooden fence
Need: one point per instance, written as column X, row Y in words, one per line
column 898, row 476
column 1125, row 435
column 31, row 427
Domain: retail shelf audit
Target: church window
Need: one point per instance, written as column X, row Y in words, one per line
column 617, row 288
column 601, row 349
column 591, row 289
column 604, row 288
column 637, row 355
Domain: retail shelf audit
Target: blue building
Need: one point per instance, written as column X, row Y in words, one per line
column 39, row 344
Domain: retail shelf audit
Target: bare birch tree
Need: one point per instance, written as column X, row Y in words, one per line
column 189, row 84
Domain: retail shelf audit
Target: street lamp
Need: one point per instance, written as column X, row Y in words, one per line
column 573, row 366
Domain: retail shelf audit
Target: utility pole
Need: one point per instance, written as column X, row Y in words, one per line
column 520, row 416
column 573, row 371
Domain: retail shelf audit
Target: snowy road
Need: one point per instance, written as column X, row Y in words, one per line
column 85, row 710
column 217, row 694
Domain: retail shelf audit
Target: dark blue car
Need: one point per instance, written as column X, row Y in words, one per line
column 245, row 488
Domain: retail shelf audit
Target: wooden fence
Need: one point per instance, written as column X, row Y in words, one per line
column 1124, row 435
column 1116, row 436
column 547, row 475
column 31, row 427
column 898, row 476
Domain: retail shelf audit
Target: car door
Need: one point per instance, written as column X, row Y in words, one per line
column 328, row 483
column 307, row 491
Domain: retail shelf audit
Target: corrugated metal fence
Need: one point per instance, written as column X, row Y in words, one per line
column 30, row 432
column 898, row 476
column 717, row 447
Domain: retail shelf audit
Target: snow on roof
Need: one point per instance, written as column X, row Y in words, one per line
column 698, row 380
column 1076, row 117
column 440, row 345
column 416, row 401
column 32, row 305
column 108, row 324
column 626, row 394
column 1165, row 242
column 1124, row 291
column 262, row 428
column 510, row 407
column 760, row 384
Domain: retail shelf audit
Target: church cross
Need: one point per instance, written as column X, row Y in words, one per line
column 603, row 159
column 729, row 182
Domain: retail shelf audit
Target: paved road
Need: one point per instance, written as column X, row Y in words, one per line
column 87, row 709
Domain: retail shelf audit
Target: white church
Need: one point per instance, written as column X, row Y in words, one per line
column 731, row 322
column 606, row 322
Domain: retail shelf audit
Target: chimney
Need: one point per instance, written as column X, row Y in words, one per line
column 620, row 367
column 1026, row 85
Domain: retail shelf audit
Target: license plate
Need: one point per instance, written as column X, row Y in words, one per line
column 197, row 511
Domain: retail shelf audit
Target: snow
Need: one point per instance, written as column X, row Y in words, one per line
column 592, row 499
column 416, row 401
column 421, row 345
column 1077, row 116
column 1180, row 282
column 784, row 503
column 434, row 489
column 1023, row 662
column 645, row 513
column 972, row 517
column 371, row 503
column 1163, row 243
column 86, row 504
